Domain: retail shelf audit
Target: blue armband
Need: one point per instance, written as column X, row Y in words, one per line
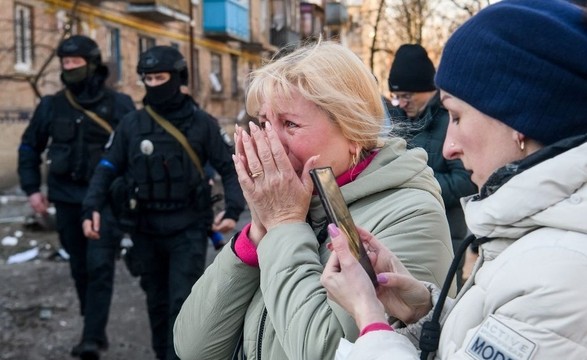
column 107, row 164
column 25, row 147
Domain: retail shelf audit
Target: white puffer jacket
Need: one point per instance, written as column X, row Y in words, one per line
column 527, row 298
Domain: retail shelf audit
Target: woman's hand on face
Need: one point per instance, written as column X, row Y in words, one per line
column 257, row 230
column 348, row 284
column 273, row 190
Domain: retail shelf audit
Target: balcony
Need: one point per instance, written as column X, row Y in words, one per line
column 161, row 10
column 226, row 20
column 336, row 14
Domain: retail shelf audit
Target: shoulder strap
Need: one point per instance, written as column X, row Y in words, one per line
column 92, row 115
column 430, row 335
column 173, row 131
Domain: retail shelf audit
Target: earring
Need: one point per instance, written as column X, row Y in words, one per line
column 354, row 160
column 522, row 145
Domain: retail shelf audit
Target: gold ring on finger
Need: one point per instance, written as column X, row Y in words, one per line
column 256, row 175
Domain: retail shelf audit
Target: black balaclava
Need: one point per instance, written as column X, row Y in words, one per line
column 76, row 79
column 166, row 97
column 86, row 82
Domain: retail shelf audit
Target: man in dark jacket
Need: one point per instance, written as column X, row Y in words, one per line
column 160, row 151
column 423, row 123
column 76, row 123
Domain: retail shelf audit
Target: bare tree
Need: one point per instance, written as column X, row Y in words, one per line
column 409, row 18
column 404, row 20
column 389, row 23
column 470, row 7
column 461, row 11
column 33, row 79
column 374, row 47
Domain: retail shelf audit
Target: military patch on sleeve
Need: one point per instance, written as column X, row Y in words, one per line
column 494, row 340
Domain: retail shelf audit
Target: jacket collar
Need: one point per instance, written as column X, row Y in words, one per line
column 547, row 191
column 504, row 174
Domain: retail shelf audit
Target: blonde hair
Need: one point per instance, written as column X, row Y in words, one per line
column 334, row 79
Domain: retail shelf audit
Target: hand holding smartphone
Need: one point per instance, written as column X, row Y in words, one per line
column 338, row 214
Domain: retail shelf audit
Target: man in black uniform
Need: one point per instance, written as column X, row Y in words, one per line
column 78, row 121
column 168, row 196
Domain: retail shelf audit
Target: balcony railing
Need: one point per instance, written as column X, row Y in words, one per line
column 161, row 10
column 227, row 19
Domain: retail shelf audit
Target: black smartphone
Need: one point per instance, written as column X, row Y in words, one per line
column 338, row 213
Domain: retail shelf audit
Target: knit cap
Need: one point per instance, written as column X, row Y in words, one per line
column 411, row 70
column 524, row 63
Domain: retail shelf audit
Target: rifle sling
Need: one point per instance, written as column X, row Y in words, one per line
column 173, row 131
column 92, row 115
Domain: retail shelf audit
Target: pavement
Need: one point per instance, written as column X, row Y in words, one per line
column 39, row 314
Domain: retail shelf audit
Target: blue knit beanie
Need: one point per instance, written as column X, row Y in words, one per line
column 524, row 63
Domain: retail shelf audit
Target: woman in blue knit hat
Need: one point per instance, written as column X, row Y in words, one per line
column 514, row 80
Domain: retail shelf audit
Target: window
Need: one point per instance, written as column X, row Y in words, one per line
column 145, row 43
column 113, row 53
column 23, row 37
column 234, row 76
column 216, row 73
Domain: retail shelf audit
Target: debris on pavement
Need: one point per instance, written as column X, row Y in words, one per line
column 23, row 256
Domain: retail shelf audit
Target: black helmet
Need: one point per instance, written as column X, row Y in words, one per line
column 80, row 45
column 163, row 59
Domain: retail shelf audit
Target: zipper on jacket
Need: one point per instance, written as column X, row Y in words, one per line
column 76, row 173
column 260, row 335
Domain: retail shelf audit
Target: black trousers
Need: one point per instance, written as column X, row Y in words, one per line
column 92, row 264
column 168, row 266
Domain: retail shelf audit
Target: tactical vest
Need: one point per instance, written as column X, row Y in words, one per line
column 77, row 141
column 164, row 177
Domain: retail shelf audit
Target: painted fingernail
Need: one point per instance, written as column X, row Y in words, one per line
column 253, row 127
column 329, row 246
column 382, row 278
column 268, row 126
column 333, row 230
column 315, row 160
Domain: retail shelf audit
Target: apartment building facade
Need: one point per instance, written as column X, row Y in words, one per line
column 222, row 40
